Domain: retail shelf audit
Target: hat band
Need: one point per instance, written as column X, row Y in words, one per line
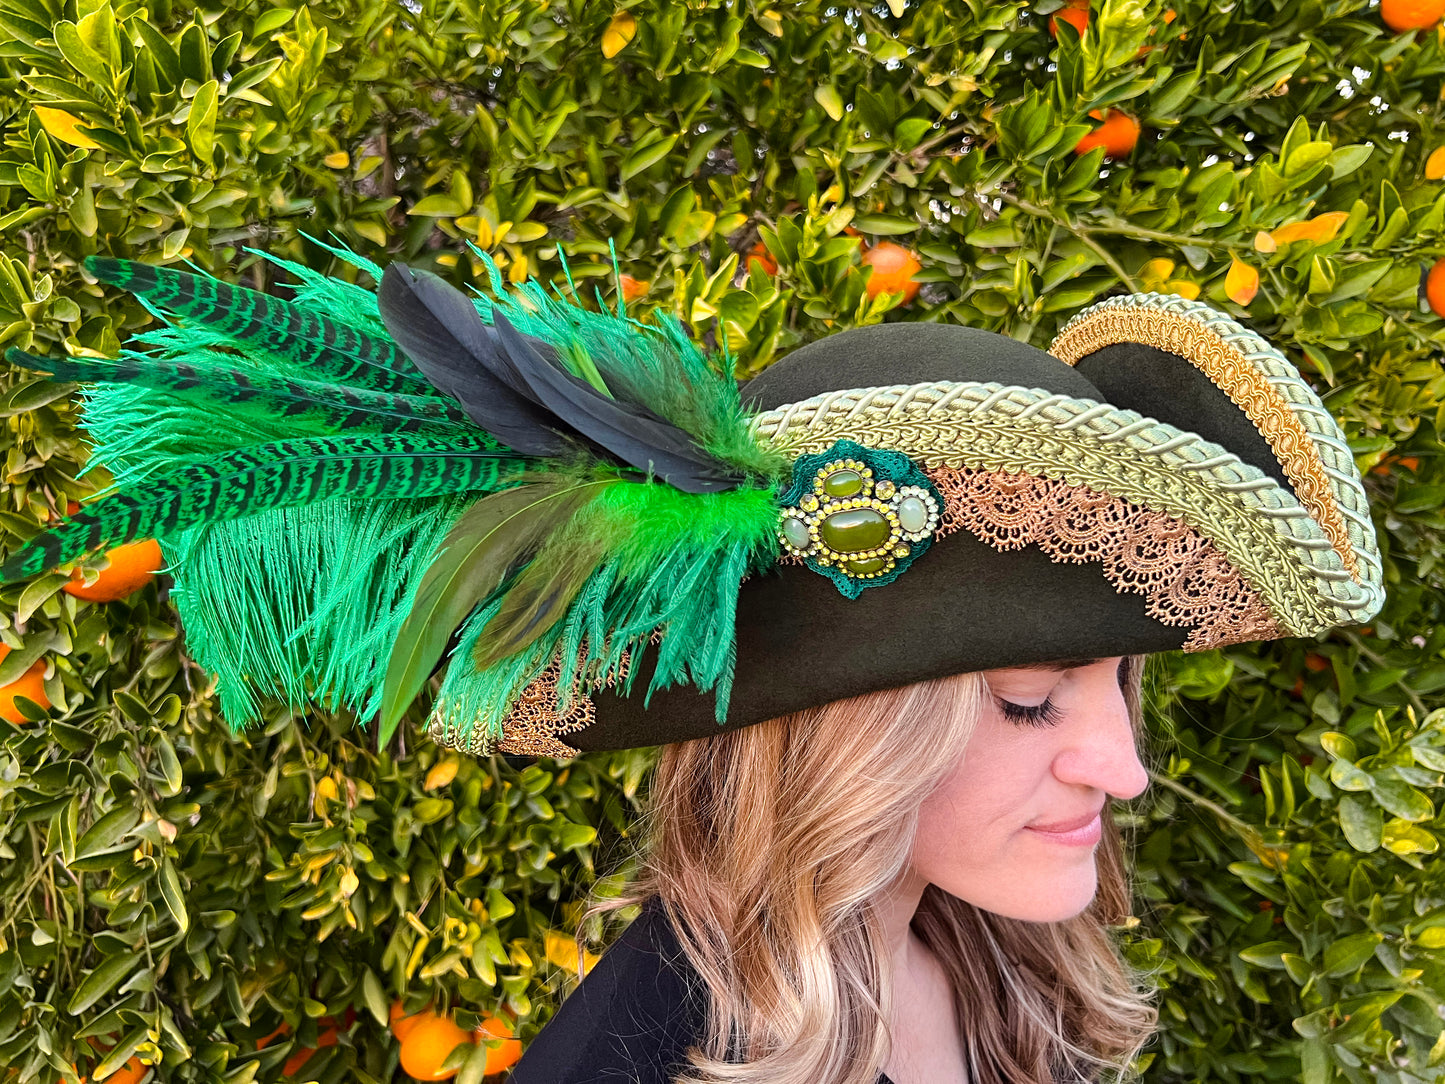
column 1186, row 581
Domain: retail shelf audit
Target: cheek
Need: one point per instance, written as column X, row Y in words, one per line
column 972, row 843
column 968, row 820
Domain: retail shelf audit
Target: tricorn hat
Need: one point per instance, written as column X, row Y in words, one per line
column 608, row 543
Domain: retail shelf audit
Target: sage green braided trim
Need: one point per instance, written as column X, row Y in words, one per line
column 1259, row 525
column 1333, row 453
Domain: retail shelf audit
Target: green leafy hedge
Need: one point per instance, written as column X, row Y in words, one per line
column 176, row 893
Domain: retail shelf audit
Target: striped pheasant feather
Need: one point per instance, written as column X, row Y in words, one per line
column 278, row 398
column 277, row 475
column 334, row 351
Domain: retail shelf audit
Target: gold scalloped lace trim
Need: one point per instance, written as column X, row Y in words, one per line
column 1186, row 581
column 1246, row 386
column 532, row 724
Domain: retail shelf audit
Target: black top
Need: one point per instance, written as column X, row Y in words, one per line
column 633, row 1018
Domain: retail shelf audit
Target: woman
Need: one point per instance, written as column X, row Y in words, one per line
column 916, row 917
column 884, row 607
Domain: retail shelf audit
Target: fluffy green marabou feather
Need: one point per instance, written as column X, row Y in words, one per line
column 673, row 565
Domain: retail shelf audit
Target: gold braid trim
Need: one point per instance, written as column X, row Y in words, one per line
column 1245, row 385
column 1186, row 581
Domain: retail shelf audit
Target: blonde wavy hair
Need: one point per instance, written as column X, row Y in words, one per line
column 768, row 846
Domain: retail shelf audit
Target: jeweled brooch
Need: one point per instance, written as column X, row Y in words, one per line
column 857, row 515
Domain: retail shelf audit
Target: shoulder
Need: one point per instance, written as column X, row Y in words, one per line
column 632, row 1019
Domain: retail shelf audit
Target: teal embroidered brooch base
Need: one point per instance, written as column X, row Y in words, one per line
column 858, row 516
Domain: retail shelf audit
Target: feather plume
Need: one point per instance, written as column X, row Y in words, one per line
column 270, row 476
column 343, row 354
column 631, row 432
column 440, row 329
column 331, row 406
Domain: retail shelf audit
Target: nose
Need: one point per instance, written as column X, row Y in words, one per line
column 1102, row 752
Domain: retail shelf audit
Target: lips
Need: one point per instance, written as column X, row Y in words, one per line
column 1072, row 825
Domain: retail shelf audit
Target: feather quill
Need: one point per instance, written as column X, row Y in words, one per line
column 487, row 544
column 335, row 406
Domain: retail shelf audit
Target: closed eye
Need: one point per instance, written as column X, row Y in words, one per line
column 1045, row 714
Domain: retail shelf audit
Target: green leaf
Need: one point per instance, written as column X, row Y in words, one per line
column 1401, row 799
column 169, row 765
column 268, row 22
column 375, row 997
column 169, row 883
column 1362, row 822
column 201, row 124
column 439, row 206
column 1268, row 955
column 105, row 833
column 886, row 225
column 1347, row 954
column 826, row 95
column 101, row 981
column 644, row 157
column 81, row 56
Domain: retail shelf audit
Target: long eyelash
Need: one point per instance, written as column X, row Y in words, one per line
column 1045, row 714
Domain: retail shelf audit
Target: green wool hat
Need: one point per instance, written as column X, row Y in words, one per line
column 598, row 540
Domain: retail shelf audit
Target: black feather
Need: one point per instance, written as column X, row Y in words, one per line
column 629, row 431
column 440, row 330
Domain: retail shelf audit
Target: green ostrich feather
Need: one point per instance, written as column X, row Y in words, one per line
column 304, row 603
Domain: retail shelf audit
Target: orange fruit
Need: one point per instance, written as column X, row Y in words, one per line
column 1075, row 13
column 1435, row 287
column 282, row 1030
column 1411, row 14
column 298, row 1060
column 1118, row 135
column 760, row 255
column 504, row 1055
column 129, row 1073
column 401, row 1024
column 893, row 269
column 30, row 685
column 633, row 288
column 131, row 567
column 429, row 1044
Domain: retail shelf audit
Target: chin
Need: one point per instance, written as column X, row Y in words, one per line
column 1038, row 899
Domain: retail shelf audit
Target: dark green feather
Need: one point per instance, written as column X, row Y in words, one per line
column 329, row 349
column 539, row 597
column 486, row 544
column 276, row 397
column 277, row 475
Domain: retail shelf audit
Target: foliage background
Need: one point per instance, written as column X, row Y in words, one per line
column 182, row 892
